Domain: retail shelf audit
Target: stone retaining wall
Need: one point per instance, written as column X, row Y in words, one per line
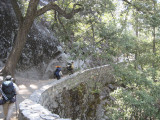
column 42, row 101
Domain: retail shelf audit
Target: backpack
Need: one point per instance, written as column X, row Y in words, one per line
column 56, row 73
column 60, row 73
column 8, row 89
column 69, row 66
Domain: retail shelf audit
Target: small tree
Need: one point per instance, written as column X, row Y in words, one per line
column 25, row 23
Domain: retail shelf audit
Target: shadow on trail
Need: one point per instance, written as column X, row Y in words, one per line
column 26, row 88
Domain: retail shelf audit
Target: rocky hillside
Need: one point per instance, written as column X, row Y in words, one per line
column 42, row 50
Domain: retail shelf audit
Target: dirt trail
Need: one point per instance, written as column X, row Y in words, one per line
column 26, row 88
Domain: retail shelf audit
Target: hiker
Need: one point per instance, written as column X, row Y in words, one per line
column 58, row 72
column 9, row 90
column 70, row 67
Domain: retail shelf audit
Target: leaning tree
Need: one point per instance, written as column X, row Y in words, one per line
column 25, row 23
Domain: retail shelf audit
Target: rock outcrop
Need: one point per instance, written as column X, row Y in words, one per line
column 42, row 47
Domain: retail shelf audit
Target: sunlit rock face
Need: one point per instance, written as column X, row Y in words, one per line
column 41, row 49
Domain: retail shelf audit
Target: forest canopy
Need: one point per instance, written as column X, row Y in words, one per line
column 107, row 31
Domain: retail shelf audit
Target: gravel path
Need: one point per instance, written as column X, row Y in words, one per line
column 26, row 88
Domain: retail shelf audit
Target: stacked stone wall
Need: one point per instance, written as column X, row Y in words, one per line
column 53, row 97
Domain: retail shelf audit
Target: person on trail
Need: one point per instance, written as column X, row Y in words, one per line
column 70, row 68
column 58, row 72
column 9, row 91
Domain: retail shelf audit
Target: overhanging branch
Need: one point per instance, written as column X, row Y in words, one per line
column 53, row 6
column 141, row 9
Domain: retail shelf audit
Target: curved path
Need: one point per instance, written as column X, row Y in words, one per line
column 26, row 88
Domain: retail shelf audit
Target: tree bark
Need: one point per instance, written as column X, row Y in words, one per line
column 137, row 35
column 154, row 48
column 138, row 8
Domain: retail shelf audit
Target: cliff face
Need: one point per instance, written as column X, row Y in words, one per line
column 8, row 26
column 41, row 49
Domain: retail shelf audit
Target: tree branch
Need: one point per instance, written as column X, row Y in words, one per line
column 141, row 9
column 32, row 8
column 53, row 6
column 17, row 11
column 62, row 25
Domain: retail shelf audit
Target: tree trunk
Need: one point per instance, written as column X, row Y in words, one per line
column 154, row 48
column 137, row 35
column 154, row 53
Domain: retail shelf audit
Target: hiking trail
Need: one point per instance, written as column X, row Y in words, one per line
column 26, row 88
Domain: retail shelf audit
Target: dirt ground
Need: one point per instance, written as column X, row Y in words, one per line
column 26, row 88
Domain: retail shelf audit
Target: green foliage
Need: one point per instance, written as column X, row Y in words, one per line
column 95, row 91
column 23, row 6
column 79, row 50
column 139, row 97
column 108, row 29
column 81, row 32
column 135, row 104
